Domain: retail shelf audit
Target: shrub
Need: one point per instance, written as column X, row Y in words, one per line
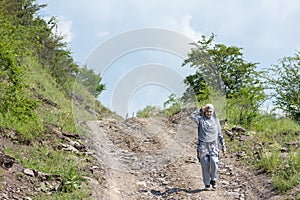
column 148, row 111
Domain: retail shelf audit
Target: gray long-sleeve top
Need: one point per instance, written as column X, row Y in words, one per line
column 209, row 129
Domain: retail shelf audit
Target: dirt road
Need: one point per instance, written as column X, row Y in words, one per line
column 156, row 159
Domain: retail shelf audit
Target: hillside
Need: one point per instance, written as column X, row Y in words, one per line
column 40, row 153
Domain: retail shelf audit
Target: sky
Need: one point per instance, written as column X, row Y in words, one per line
column 138, row 46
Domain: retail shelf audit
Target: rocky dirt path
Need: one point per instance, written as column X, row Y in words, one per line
column 156, row 159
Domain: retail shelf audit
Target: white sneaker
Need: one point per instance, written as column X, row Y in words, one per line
column 207, row 187
column 214, row 185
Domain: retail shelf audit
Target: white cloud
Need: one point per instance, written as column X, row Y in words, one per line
column 64, row 28
column 187, row 29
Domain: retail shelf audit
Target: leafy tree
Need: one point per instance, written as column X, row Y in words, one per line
column 21, row 12
column 284, row 80
column 90, row 80
column 207, row 75
column 198, row 88
column 223, row 69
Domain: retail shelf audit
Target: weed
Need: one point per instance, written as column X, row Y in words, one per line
column 270, row 161
column 72, row 182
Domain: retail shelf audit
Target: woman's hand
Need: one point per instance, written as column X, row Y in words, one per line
column 224, row 152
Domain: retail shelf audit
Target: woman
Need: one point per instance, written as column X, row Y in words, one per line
column 209, row 132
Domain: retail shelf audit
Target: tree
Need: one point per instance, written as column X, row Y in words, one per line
column 172, row 105
column 207, row 75
column 90, row 80
column 20, row 11
column 284, row 80
column 223, row 69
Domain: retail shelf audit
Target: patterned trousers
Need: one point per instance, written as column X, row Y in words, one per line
column 208, row 156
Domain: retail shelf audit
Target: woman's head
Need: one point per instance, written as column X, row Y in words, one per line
column 209, row 109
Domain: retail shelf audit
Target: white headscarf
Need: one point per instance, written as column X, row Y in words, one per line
column 212, row 108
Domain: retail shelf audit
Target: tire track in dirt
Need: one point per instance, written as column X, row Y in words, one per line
column 117, row 183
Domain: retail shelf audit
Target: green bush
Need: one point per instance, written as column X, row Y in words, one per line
column 147, row 112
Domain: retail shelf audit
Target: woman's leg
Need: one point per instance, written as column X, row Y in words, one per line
column 205, row 165
column 214, row 172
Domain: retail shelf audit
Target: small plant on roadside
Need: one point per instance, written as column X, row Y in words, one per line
column 72, row 182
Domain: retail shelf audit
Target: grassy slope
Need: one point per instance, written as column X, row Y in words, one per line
column 272, row 144
column 56, row 109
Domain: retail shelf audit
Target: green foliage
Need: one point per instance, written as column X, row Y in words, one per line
column 79, row 194
column 29, row 35
column 270, row 161
column 72, row 182
column 54, row 56
column 17, row 109
column 270, row 149
column 147, row 112
column 172, row 105
column 56, row 108
column 241, row 111
column 48, row 160
column 283, row 126
column 199, row 89
column 284, row 80
column 29, row 48
column 223, row 69
column 90, row 80
column 19, row 27
column 20, row 12
column 290, row 175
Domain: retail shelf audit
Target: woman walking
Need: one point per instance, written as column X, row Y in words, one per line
column 209, row 133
